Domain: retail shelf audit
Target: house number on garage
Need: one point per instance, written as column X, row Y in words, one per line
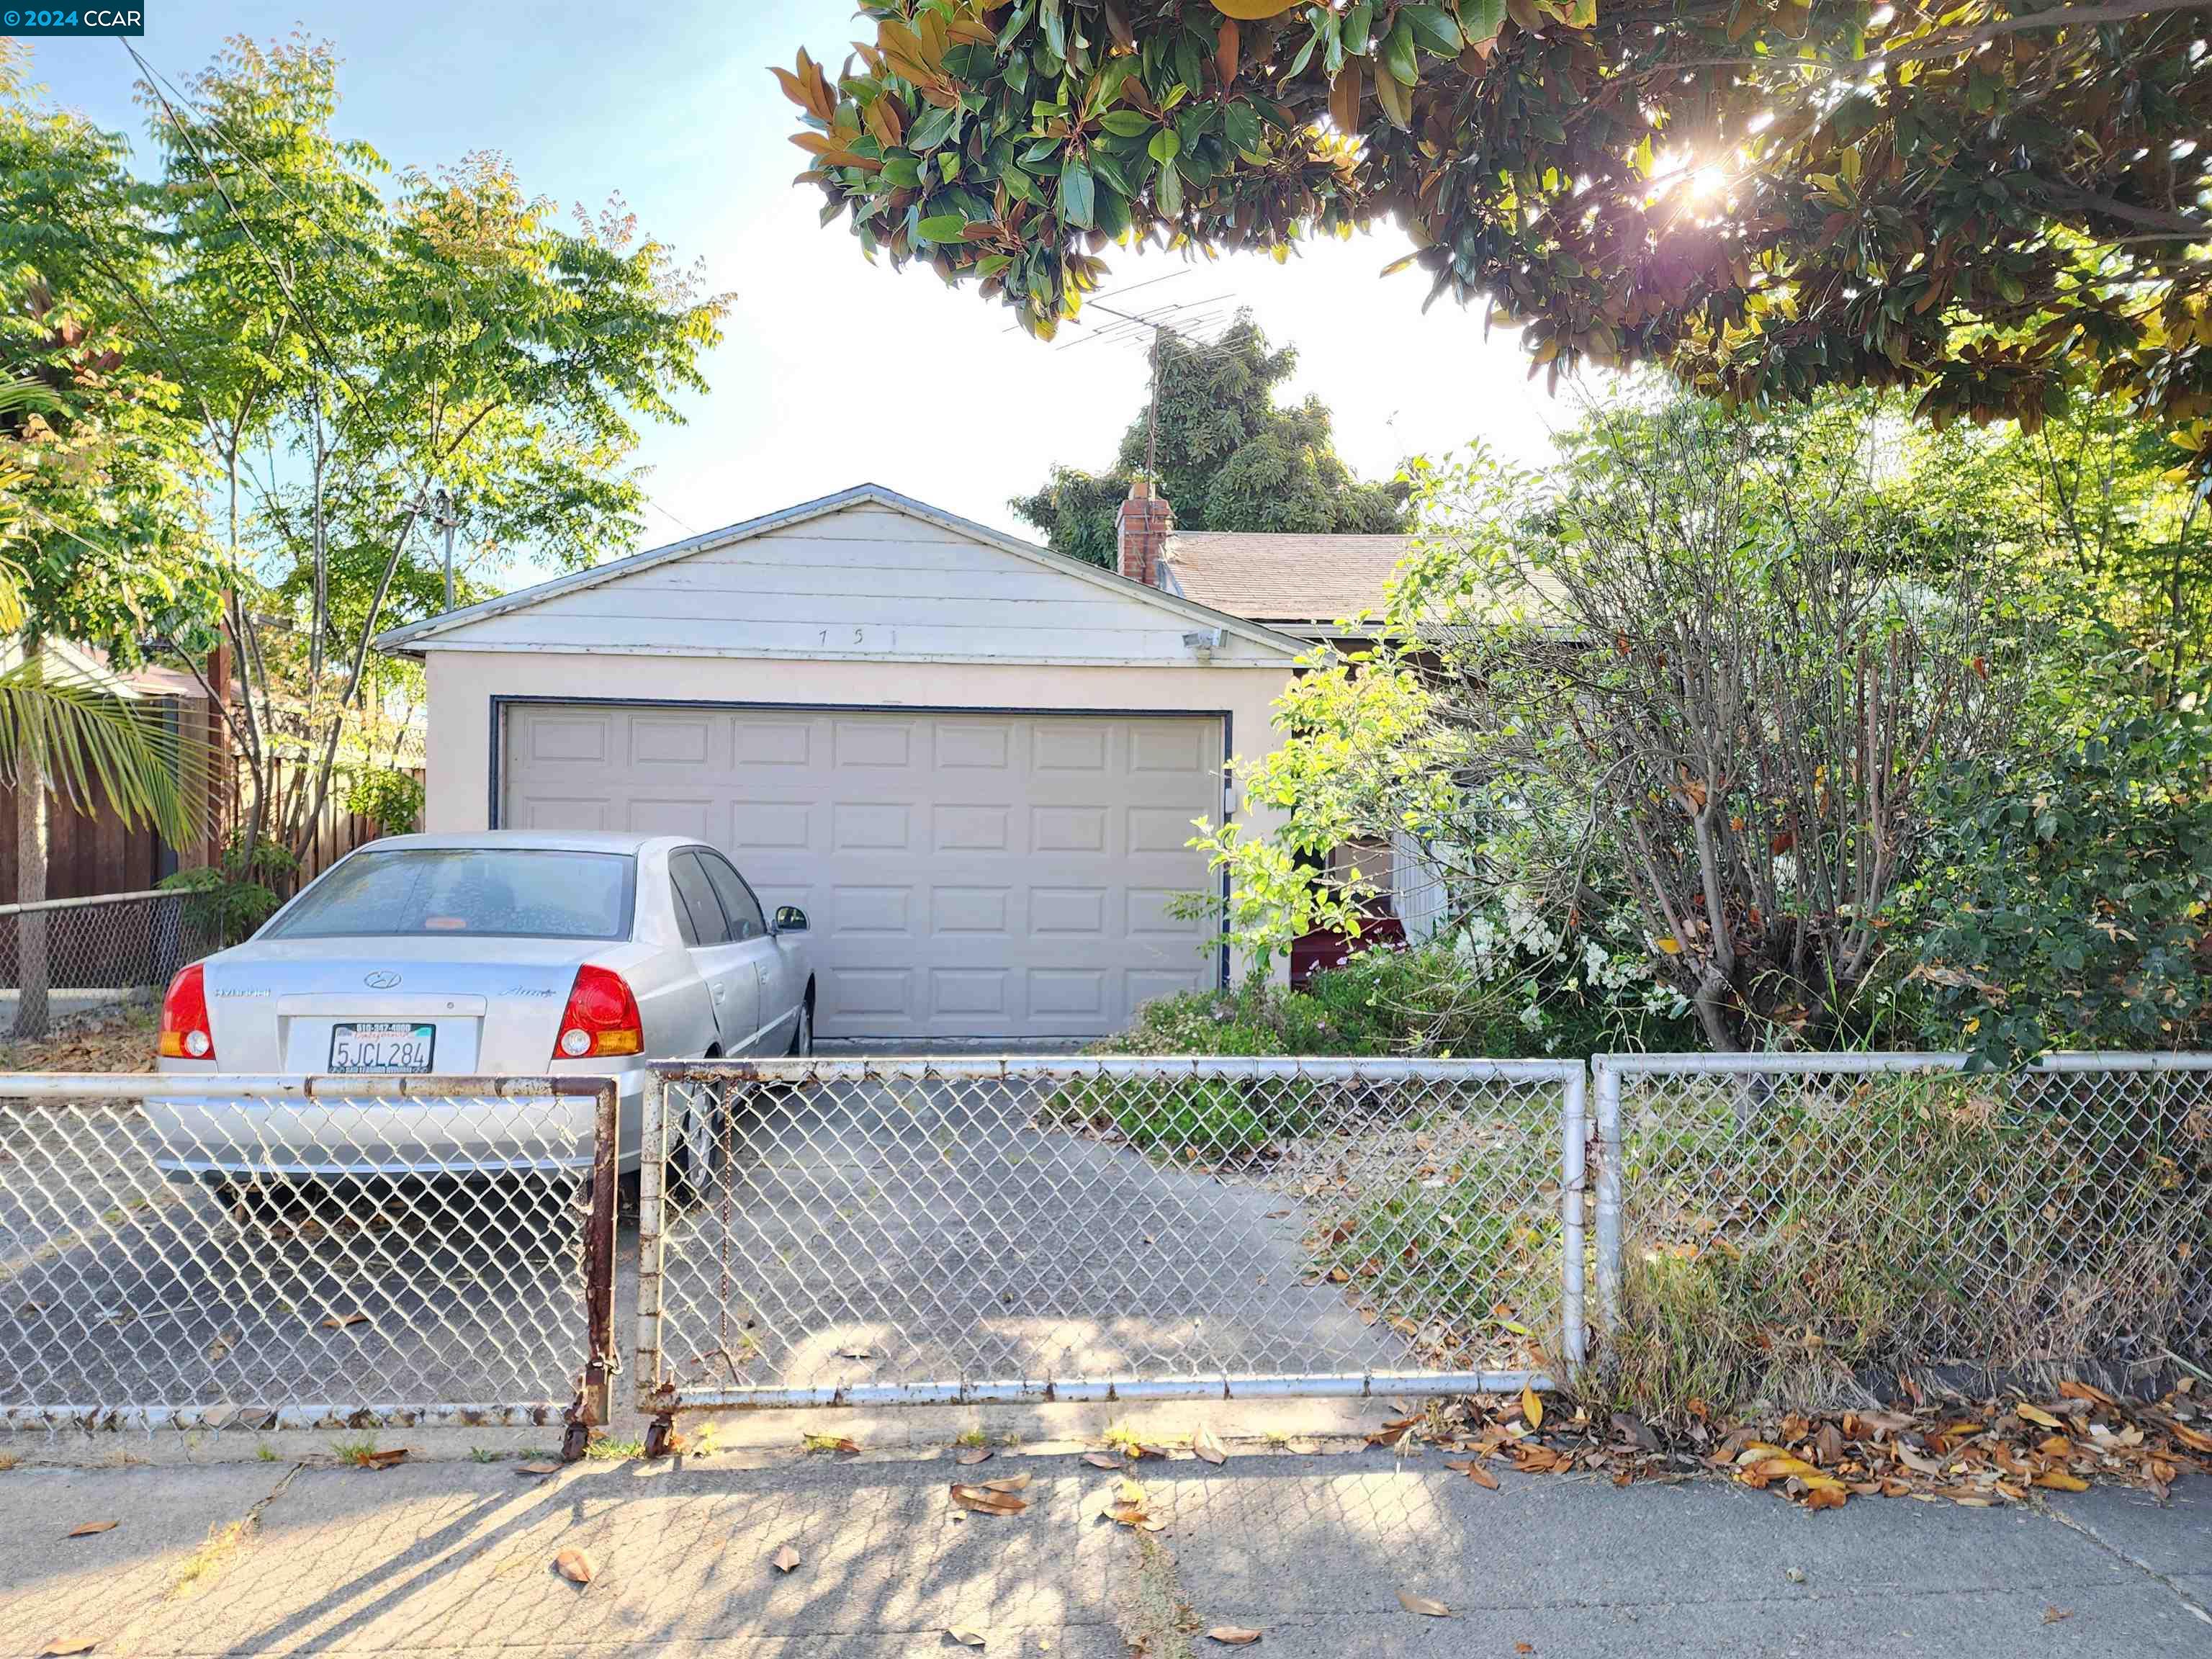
column 863, row 638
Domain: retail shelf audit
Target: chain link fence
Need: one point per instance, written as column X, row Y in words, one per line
column 64, row 957
column 265, row 1253
column 1893, row 1208
column 822, row 1232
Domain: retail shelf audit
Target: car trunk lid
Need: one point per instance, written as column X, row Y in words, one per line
column 462, row 1005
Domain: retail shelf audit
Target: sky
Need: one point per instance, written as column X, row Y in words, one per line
column 831, row 372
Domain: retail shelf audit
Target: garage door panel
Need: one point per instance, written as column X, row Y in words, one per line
column 965, row 875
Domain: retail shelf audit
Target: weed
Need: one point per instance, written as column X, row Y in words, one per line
column 265, row 1451
column 206, row 1563
column 8, row 1461
column 1783, row 1247
column 970, row 1438
column 355, row 1451
column 615, row 1448
column 482, row 1454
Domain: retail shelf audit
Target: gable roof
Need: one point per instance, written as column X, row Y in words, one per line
column 1304, row 579
column 414, row 638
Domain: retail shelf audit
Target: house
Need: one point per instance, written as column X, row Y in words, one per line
column 973, row 762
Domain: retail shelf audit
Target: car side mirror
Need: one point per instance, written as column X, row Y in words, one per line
column 790, row 919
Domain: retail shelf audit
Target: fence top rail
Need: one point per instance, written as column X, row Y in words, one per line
column 91, row 899
column 1016, row 1068
column 104, row 1086
column 2070, row 1061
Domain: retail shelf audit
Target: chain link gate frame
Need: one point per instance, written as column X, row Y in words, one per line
column 284, row 1252
column 856, row 1218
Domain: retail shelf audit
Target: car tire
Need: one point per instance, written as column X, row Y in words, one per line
column 698, row 1151
column 802, row 1029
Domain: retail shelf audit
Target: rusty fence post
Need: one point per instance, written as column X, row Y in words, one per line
column 653, row 1398
column 594, row 1403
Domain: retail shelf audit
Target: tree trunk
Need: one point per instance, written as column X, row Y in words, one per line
column 34, row 969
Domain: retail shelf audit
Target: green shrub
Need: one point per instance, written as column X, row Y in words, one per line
column 1393, row 1000
column 1198, row 1120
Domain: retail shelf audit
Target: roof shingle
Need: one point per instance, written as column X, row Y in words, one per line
column 1283, row 578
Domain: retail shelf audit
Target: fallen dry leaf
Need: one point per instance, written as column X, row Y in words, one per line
column 1425, row 1606
column 1008, row 1483
column 539, row 1467
column 966, row 1638
column 1524, row 1647
column 974, row 1455
column 1102, row 1459
column 784, row 1559
column 2059, row 1481
column 2052, row 1615
column 2040, row 1419
column 574, row 1565
column 339, row 1321
column 87, row 1528
column 1532, row 1407
column 1473, row 1469
column 381, row 1460
column 62, row 1645
column 984, row 1501
column 1209, row 1449
column 1234, row 1636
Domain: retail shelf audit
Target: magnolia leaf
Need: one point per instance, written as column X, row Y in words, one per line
column 1532, row 1407
column 1102, row 1459
column 539, row 1467
column 1207, row 1447
column 1234, row 1636
column 784, row 1559
column 1008, row 1483
column 339, row 1321
column 1427, row 1606
column 965, row 1637
column 974, row 1455
column 984, row 1501
column 85, row 1529
column 575, row 1566
column 61, row 1646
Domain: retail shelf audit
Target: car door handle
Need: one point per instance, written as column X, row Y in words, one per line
column 719, row 993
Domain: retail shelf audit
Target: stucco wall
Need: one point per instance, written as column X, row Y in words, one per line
column 462, row 684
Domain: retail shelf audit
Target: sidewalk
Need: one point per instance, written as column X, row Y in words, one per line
column 455, row 1558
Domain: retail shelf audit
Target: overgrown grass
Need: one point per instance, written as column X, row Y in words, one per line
column 1783, row 1247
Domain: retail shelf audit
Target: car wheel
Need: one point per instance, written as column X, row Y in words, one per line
column 700, row 1149
column 802, row 1032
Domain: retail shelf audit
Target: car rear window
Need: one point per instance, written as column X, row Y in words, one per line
column 509, row 892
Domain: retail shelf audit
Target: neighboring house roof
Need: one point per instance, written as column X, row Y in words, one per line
column 430, row 633
column 1305, row 581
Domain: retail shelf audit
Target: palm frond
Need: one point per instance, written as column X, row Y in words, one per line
column 99, row 752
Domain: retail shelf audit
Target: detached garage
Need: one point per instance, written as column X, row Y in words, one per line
column 973, row 762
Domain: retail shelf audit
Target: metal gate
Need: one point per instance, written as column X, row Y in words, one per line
column 820, row 1232
column 326, row 1252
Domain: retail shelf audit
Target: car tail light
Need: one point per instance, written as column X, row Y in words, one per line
column 601, row 1018
column 184, row 1033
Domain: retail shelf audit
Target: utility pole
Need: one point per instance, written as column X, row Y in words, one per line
column 446, row 517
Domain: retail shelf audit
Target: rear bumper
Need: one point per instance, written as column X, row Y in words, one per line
column 309, row 1139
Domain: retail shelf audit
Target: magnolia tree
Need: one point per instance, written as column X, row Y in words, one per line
column 1987, row 203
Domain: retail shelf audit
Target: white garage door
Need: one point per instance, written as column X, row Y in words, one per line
column 966, row 875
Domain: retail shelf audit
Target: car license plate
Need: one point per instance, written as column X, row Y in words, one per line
column 382, row 1045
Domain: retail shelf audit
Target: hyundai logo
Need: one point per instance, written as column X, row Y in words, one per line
column 382, row 980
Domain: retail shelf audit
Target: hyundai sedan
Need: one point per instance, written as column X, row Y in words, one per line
column 505, row 952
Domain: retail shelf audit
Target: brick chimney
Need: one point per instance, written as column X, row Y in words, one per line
column 1141, row 527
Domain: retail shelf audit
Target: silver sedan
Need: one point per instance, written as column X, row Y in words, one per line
column 505, row 952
